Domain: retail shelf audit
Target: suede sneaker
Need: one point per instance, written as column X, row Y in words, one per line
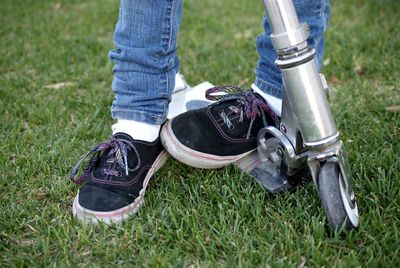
column 220, row 134
column 116, row 178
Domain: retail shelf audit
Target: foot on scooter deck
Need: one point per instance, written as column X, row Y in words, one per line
column 268, row 174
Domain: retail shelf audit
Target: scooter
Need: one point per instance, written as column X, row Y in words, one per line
column 306, row 135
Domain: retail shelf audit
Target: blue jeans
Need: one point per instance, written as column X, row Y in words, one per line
column 145, row 58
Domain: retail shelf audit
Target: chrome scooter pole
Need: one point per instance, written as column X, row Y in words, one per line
column 302, row 80
column 307, row 131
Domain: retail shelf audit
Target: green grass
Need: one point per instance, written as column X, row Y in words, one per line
column 191, row 217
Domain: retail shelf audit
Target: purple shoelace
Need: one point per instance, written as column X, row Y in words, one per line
column 252, row 105
column 118, row 153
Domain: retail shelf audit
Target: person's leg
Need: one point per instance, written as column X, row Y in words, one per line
column 145, row 65
column 145, row 59
column 268, row 80
column 119, row 169
column 226, row 131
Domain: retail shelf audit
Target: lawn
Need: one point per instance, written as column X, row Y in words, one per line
column 191, row 217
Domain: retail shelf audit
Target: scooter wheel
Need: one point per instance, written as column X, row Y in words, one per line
column 341, row 213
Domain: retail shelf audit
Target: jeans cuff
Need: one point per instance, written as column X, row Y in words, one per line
column 269, row 88
column 139, row 116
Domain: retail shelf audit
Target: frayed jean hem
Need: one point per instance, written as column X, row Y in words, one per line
column 139, row 116
column 268, row 88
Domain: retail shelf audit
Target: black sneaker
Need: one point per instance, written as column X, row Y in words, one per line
column 220, row 134
column 116, row 178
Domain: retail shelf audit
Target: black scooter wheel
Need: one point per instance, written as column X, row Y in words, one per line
column 334, row 202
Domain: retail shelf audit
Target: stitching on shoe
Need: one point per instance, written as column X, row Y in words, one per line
column 118, row 183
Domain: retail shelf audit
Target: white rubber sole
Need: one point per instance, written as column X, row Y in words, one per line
column 119, row 215
column 191, row 157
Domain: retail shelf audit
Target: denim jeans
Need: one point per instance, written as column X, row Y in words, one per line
column 145, row 40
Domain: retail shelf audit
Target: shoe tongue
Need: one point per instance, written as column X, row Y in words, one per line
column 223, row 105
column 132, row 156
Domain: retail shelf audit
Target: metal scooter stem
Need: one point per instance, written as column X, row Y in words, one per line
column 301, row 77
column 307, row 130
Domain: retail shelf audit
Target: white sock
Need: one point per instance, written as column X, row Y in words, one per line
column 137, row 130
column 274, row 103
column 180, row 83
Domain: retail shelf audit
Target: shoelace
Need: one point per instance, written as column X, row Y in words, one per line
column 118, row 153
column 250, row 105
